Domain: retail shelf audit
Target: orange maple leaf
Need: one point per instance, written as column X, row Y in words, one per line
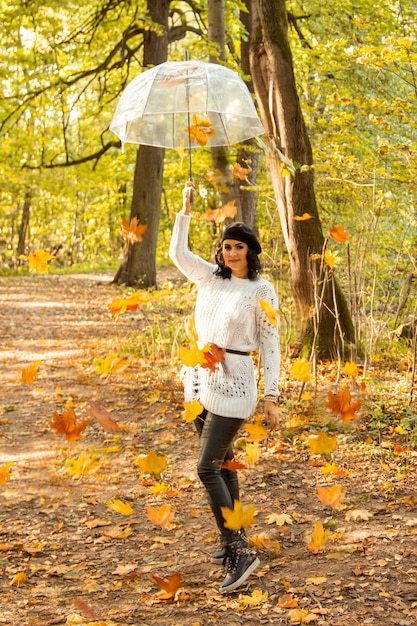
column 232, row 465
column 341, row 404
column 169, row 586
column 5, row 473
column 130, row 303
column 30, row 374
column 132, row 232
column 39, row 260
column 160, row 516
column 103, row 417
column 66, row 424
column 218, row 180
column 331, row 496
column 338, row 233
column 219, row 215
column 200, row 130
column 318, row 538
column 212, row 357
column 239, row 172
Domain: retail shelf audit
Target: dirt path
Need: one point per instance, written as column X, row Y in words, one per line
column 67, row 558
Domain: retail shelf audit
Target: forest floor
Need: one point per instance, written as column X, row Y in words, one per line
column 77, row 545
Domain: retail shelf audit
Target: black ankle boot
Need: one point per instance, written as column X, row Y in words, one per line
column 220, row 557
column 241, row 562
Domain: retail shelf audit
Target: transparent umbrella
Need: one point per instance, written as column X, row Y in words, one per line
column 186, row 104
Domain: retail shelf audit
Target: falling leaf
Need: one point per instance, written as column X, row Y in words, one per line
column 218, row 216
column 240, row 517
column 239, row 172
column 350, row 369
column 5, row 473
column 256, row 431
column 152, row 463
column 180, row 151
column 233, row 466
column 338, row 234
column 280, row 519
column 218, row 180
column 111, row 364
column 192, row 410
column 30, row 374
column 169, row 586
column 82, row 465
column 189, row 325
column 161, row 516
column 332, row 468
column 331, row 258
column 322, row 443
column 66, row 424
column 132, row 232
column 130, row 303
column 19, row 579
column 256, row 598
column 301, row 370
column 331, row 496
column 341, row 404
column 39, row 260
column 191, row 356
column 304, row 217
column 103, row 417
column 271, row 313
column 200, row 130
column 213, row 356
column 287, row 601
column 261, row 542
column 358, row 515
column 119, row 506
column 318, row 538
column 252, row 453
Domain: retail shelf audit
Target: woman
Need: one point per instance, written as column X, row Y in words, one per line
column 228, row 315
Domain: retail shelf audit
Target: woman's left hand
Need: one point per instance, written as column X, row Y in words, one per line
column 271, row 414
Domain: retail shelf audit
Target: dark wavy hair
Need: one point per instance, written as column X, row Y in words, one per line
column 254, row 265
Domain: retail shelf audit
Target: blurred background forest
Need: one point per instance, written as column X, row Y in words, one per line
column 67, row 185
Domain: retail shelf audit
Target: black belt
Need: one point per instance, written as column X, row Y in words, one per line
column 230, row 351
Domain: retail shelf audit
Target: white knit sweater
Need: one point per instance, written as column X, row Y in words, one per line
column 227, row 314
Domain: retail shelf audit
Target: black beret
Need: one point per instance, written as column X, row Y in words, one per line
column 241, row 232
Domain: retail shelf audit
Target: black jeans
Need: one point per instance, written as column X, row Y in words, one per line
column 216, row 437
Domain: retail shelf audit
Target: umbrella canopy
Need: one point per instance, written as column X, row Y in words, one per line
column 186, row 104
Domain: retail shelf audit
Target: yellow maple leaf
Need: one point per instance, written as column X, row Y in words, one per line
column 119, row 506
column 161, row 516
column 111, row 364
column 19, row 579
column 240, row 517
column 331, row 258
column 5, row 473
column 192, row 410
column 256, row 431
column 350, row 369
column 30, row 374
column 261, row 542
column 82, row 465
column 152, row 463
column 318, row 538
column 301, row 370
column 218, row 180
column 191, row 356
column 271, row 313
column 200, row 130
column 254, row 600
column 38, row 261
column 190, row 329
column 301, row 616
column 303, row 217
column 331, row 496
column 252, row 453
column 280, row 519
column 322, row 443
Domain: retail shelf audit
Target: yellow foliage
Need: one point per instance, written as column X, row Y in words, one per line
column 5, row 473
column 271, row 313
column 301, row 370
column 252, row 453
column 322, row 443
column 331, row 496
column 240, row 517
column 119, row 506
column 30, row 374
column 192, row 410
column 318, row 538
column 152, row 463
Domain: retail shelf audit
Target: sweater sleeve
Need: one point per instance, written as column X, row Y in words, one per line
column 192, row 266
column 269, row 341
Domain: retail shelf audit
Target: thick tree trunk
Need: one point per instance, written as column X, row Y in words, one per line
column 321, row 308
column 139, row 267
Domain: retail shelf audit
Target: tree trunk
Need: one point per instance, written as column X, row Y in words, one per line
column 24, row 225
column 139, row 267
column 321, row 308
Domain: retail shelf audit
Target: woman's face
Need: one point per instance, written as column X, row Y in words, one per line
column 235, row 256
